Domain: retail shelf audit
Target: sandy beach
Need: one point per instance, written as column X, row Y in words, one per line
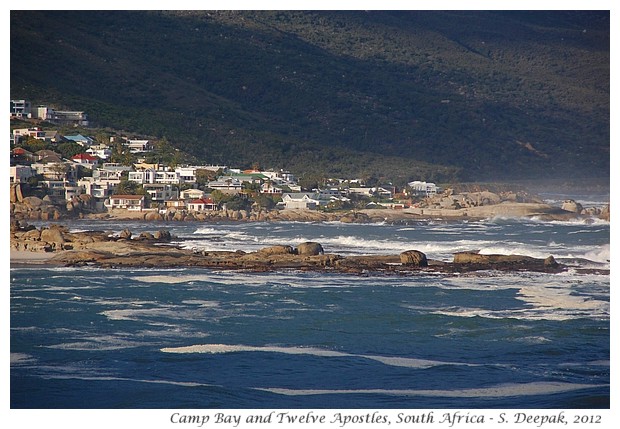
column 24, row 257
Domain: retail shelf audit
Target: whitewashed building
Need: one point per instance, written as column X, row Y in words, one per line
column 301, row 200
column 128, row 202
column 424, row 189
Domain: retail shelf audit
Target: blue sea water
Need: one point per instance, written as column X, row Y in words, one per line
column 197, row 338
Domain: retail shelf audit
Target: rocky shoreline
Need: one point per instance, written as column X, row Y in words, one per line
column 462, row 206
column 120, row 250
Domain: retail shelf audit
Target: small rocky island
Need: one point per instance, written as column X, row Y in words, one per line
column 117, row 250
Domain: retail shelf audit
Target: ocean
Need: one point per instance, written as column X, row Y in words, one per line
column 91, row 338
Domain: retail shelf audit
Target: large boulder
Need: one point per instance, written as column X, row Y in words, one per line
column 146, row 236
column 32, row 202
column 477, row 258
column 550, row 262
column 34, row 235
column 605, row 213
column 52, row 235
column 413, row 258
column 277, row 250
column 572, row 206
column 310, row 248
column 125, row 234
column 150, row 216
column 163, row 235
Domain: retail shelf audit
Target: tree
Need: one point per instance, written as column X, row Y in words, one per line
column 60, row 170
column 126, row 187
column 204, row 176
column 121, row 154
column 69, row 149
column 33, row 145
column 265, row 201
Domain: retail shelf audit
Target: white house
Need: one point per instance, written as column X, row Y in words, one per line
column 227, row 185
column 269, row 188
column 187, row 174
column 128, row 202
column 424, row 189
column 368, row 192
column 167, row 177
column 138, row 146
column 202, row 204
column 96, row 188
column 160, row 192
column 35, row 132
column 142, row 176
column 85, row 159
column 301, row 200
column 192, row 194
column 100, row 150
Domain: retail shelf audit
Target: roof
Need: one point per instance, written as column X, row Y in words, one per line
column 85, row 156
column 202, row 201
column 78, row 137
column 127, row 197
column 21, row 151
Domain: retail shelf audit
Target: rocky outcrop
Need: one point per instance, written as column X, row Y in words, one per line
column 277, row 250
column 572, row 206
column 413, row 257
column 310, row 249
column 475, row 261
column 477, row 258
column 108, row 249
column 34, row 208
column 56, row 238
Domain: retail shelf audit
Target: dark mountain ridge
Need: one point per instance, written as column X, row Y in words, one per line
column 436, row 95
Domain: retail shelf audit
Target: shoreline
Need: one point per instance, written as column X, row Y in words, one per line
column 505, row 209
column 44, row 247
column 25, row 258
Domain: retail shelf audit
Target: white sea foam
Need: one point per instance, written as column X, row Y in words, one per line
column 499, row 391
column 135, row 314
column 21, row 359
column 98, row 344
column 171, row 279
column 599, row 254
column 202, row 303
column 386, row 360
column 134, row 380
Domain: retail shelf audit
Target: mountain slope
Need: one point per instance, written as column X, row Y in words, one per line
column 417, row 94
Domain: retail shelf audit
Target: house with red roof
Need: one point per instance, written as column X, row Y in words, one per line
column 86, row 160
column 202, row 204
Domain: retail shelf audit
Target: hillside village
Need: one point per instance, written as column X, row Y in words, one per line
column 58, row 169
column 83, row 174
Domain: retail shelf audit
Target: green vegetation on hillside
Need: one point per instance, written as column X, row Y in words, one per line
column 398, row 95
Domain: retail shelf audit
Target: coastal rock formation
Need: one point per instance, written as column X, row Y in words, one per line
column 310, row 249
column 108, row 249
column 477, row 258
column 474, row 260
column 31, row 207
column 572, row 206
column 413, row 257
column 277, row 250
column 56, row 238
